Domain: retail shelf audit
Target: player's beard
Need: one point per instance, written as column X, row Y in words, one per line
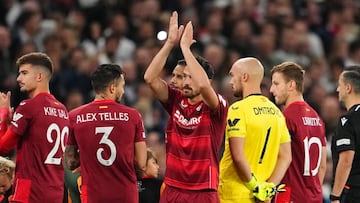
column 118, row 97
column 26, row 89
column 281, row 99
column 238, row 93
column 189, row 93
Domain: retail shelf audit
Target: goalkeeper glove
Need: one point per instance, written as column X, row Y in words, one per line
column 264, row 191
column 261, row 190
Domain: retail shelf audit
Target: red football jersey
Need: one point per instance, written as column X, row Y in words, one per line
column 194, row 143
column 105, row 133
column 307, row 132
column 42, row 124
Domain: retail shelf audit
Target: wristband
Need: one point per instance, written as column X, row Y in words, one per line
column 4, row 114
column 334, row 197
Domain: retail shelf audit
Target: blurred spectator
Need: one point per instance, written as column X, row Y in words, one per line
column 354, row 53
column 148, row 182
column 155, row 141
column 330, row 112
column 125, row 48
column 5, row 55
column 212, row 32
column 288, row 47
column 216, row 55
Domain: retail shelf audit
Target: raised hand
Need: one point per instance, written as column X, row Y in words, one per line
column 5, row 100
column 5, row 110
column 175, row 32
column 187, row 38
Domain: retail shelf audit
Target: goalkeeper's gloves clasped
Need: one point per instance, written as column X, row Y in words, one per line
column 263, row 190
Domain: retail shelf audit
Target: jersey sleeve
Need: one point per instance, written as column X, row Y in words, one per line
column 221, row 111
column 174, row 95
column 21, row 120
column 344, row 139
column 71, row 137
column 140, row 132
column 235, row 126
column 290, row 124
column 8, row 142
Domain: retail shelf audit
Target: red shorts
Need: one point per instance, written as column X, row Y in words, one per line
column 172, row 194
column 283, row 197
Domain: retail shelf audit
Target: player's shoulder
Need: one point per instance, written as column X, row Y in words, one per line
column 79, row 109
column 128, row 109
column 354, row 111
column 25, row 102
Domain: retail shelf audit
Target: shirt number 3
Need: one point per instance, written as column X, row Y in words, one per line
column 105, row 131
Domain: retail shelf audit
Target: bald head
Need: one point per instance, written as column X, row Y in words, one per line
column 246, row 76
column 252, row 67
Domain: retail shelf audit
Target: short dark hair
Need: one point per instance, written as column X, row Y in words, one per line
column 208, row 68
column 36, row 59
column 351, row 75
column 104, row 75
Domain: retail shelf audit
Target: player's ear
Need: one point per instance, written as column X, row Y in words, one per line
column 112, row 88
column 40, row 76
column 244, row 76
column 348, row 88
column 292, row 84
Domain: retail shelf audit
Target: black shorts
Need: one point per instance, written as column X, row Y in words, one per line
column 351, row 195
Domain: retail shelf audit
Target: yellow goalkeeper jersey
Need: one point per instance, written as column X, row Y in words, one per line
column 263, row 126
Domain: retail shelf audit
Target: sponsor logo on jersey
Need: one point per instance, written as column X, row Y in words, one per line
column 232, row 123
column 186, row 122
column 343, row 141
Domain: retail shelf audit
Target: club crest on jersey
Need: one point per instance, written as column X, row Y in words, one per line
column 183, row 105
column 343, row 121
column 16, row 117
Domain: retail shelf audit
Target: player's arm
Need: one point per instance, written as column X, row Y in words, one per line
column 342, row 172
column 152, row 73
column 8, row 141
column 197, row 72
column 242, row 166
column 140, row 155
column 8, row 138
column 5, row 112
column 71, row 157
column 322, row 168
column 282, row 164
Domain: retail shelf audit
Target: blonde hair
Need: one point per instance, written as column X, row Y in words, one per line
column 7, row 167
